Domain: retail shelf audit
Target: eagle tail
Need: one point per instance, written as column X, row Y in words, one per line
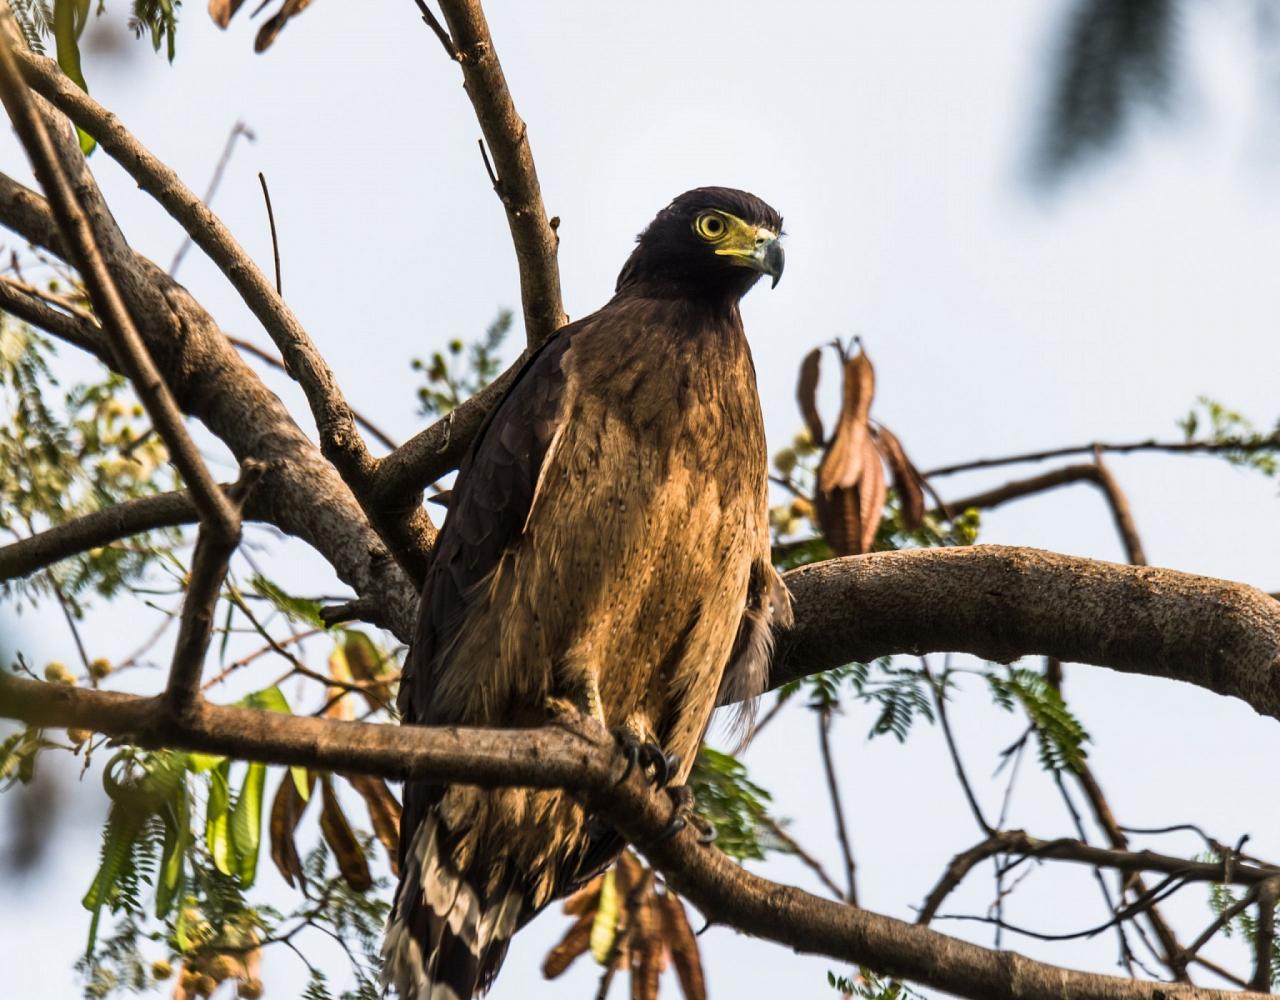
column 446, row 936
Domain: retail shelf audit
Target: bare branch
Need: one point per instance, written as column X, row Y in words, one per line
column 271, row 221
column 23, row 302
column 587, row 763
column 208, row 570
column 1120, row 512
column 430, row 20
column 102, row 527
column 1265, row 935
column 1217, row 446
column 410, row 533
column 1020, row 488
column 533, row 234
column 237, row 130
column 938, row 690
column 266, row 357
column 218, row 515
column 833, row 790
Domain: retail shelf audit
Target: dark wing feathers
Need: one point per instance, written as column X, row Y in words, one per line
column 487, row 512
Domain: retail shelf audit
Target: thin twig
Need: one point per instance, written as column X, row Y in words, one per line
column 36, row 310
column 434, row 24
column 275, row 362
column 833, row 789
column 1252, row 444
column 812, row 863
column 1223, row 918
column 507, row 139
column 195, row 628
column 237, row 130
column 940, row 705
column 271, row 221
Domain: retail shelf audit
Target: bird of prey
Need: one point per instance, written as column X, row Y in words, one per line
column 606, row 552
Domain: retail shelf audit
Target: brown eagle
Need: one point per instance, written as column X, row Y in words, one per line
column 606, row 552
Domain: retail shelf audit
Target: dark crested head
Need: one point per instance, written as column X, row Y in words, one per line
column 711, row 243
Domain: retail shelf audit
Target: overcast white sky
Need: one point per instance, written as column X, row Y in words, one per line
column 894, row 139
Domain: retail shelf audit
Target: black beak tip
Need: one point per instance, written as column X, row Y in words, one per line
column 775, row 260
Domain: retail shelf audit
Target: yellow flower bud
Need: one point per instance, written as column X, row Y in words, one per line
column 99, row 668
column 56, row 672
column 161, row 969
column 79, row 736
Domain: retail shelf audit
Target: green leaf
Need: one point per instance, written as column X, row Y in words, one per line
column 302, row 782
column 604, row 928
column 177, row 838
column 69, row 18
column 246, row 822
column 297, row 608
column 270, row 699
column 217, row 833
column 198, row 763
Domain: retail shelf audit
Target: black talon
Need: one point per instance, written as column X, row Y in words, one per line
column 706, row 832
column 646, row 755
column 632, row 752
column 677, row 824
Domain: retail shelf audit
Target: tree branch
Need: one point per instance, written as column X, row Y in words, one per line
column 1000, row 603
column 37, row 311
column 204, row 585
column 586, row 762
column 267, row 358
column 99, row 528
column 300, row 491
column 432, row 452
column 533, row 234
column 217, row 515
column 409, row 536
column 1261, row 443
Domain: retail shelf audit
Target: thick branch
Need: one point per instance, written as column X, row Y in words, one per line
column 1001, row 603
column 723, row 890
column 517, row 185
column 90, row 531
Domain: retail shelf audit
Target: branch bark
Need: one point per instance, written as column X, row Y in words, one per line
column 102, row 527
column 1001, row 603
column 533, row 234
column 586, row 762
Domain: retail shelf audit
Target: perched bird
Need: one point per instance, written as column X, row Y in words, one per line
column 606, row 552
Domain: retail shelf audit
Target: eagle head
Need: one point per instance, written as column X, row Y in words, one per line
column 711, row 242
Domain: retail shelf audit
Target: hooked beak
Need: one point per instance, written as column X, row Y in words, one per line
column 771, row 259
column 755, row 247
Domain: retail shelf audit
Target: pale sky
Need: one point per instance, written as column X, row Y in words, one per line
column 894, row 139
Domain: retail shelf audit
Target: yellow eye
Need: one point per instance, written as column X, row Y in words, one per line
column 710, row 226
